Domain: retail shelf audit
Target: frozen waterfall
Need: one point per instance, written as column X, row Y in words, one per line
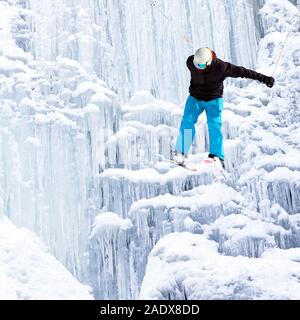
column 142, row 44
column 91, row 92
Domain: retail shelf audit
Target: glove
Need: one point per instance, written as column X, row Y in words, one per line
column 269, row 81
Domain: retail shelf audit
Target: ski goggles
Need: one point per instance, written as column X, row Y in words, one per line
column 202, row 65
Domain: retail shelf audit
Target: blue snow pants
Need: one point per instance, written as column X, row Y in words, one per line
column 193, row 109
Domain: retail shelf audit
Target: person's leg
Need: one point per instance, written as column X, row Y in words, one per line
column 186, row 135
column 213, row 110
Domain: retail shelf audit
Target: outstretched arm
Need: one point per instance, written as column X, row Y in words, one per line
column 233, row 71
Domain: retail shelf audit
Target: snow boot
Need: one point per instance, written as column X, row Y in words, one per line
column 218, row 161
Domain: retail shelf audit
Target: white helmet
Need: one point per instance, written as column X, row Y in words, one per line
column 203, row 57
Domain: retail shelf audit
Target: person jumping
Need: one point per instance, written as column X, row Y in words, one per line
column 206, row 89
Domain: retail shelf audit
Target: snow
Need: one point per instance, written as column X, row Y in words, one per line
column 277, row 254
column 193, row 211
column 150, row 175
column 109, row 220
column 109, row 254
column 29, row 272
column 48, row 150
column 91, row 92
column 135, row 47
column 9, row 49
column 283, row 174
column 140, row 98
column 86, row 86
column 242, row 235
column 121, row 187
column 8, row 68
column 33, row 141
column 144, row 108
column 288, row 160
column 188, row 266
column 194, row 200
column 72, row 65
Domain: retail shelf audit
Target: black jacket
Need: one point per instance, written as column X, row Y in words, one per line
column 208, row 84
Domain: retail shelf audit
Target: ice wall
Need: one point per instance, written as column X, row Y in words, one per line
column 149, row 127
column 69, row 152
column 121, row 187
column 111, row 270
column 153, row 218
column 140, row 42
column 55, row 119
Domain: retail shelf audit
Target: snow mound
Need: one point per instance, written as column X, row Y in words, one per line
column 143, row 107
column 215, row 195
column 109, row 221
column 141, row 97
column 242, row 235
column 28, row 271
column 188, row 266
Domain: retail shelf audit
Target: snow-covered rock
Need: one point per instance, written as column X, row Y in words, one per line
column 190, row 211
column 188, row 266
column 29, row 272
column 242, row 235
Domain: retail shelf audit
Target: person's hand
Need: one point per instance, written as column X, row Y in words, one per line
column 269, row 81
